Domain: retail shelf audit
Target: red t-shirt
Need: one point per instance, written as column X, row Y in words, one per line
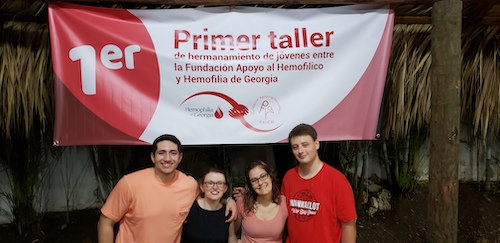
column 316, row 206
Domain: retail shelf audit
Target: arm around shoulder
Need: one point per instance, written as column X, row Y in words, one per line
column 231, row 207
column 348, row 231
column 105, row 230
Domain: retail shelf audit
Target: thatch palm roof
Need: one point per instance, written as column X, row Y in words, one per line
column 26, row 84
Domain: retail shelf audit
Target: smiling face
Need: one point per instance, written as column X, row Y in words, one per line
column 261, row 181
column 166, row 159
column 214, row 186
column 305, row 149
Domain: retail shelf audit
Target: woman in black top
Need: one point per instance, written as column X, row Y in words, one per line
column 206, row 220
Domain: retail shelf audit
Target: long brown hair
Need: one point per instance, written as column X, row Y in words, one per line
column 250, row 194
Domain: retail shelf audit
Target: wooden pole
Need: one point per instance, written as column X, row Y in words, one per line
column 445, row 120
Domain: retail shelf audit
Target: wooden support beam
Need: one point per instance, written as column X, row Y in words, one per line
column 444, row 151
column 397, row 19
column 475, row 13
column 267, row 2
column 250, row 2
column 412, row 20
column 428, row 20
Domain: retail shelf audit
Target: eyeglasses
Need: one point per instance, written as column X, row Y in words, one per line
column 262, row 177
column 212, row 183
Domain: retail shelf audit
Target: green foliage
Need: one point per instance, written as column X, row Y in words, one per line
column 403, row 158
column 407, row 183
column 70, row 183
column 349, row 151
column 25, row 161
column 110, row 163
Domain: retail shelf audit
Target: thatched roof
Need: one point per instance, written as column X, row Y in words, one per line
column 486, row 12
column 26, row 84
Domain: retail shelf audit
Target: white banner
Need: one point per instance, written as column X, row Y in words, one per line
column 223, row 75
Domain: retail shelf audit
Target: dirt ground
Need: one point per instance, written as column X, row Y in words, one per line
column 407, row 221
column 479, row 221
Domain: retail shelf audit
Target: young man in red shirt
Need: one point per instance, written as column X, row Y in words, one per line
column 320, row 199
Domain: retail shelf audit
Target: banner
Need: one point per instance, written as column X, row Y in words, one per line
column 217, row 75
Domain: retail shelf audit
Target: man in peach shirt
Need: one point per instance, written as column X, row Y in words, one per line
column 151, row 204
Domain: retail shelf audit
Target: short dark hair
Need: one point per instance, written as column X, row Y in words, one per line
column 166, row 137
column 301, row 130
column 214, row 170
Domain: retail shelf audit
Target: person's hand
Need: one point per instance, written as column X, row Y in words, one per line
column 231, row 207
column 238, row 192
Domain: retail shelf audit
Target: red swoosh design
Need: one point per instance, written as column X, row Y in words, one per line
column 237, row 112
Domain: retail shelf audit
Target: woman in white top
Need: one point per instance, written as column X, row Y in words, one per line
column 263, row 211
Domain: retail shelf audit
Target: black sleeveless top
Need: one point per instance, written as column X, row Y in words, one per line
column 203, row 226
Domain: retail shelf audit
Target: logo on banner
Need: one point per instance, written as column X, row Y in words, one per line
column 238, row 111
column 268, row 109
column 204, row 112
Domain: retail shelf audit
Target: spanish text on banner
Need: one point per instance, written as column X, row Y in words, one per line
column 217, row 75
